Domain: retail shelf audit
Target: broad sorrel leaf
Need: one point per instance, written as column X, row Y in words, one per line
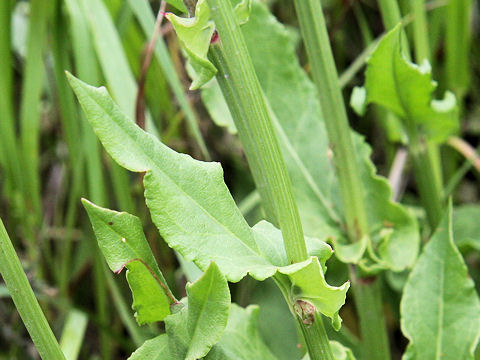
column 123, row 243
column 192, row 208
column 300, row 128
column 440, row 309
column 198, row 326
column 406, row 89
column 188, row 199
column 241, row 339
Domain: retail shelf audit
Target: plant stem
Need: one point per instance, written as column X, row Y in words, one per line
column 242, row 91
column 369, row 307
column 314, row 32
column 25, row 301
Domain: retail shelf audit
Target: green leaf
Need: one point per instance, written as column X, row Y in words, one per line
column 121, row 239
column 188, row 199
column 309, row 284
column 153, row 349
column 241, row 339
column 198, row 326
column 302, row 135
column 466, row 227
column 406, row 89
column 195, row 35
column 440, row 308
column 193, row 210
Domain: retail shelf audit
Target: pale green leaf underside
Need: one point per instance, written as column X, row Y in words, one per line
column 406, row 89
column 191, row 205
column 123, row 243
column 440, row 309
column 200, row 323
column 305, row 147
column 188, row 199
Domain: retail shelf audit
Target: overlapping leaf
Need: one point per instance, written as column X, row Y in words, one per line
column 121, row 239
column 198, row 326
column 440, row 308
column 305, row 147
column 406, row 89
column 193, row 210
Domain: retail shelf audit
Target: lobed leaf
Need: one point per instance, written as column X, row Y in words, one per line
column 406, row 89
column 440, row 309
column 123, row 244
column 188, row 199
column 198, row 326
column 193, row 210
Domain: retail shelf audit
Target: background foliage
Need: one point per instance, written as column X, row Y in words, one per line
column 50, row 158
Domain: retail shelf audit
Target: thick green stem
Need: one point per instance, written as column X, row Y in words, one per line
column 25, row 301
column 242, row 91
column 316, row 339
column 244, row 95
column 369, row 307
column 428, row 187
column 314, row 32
